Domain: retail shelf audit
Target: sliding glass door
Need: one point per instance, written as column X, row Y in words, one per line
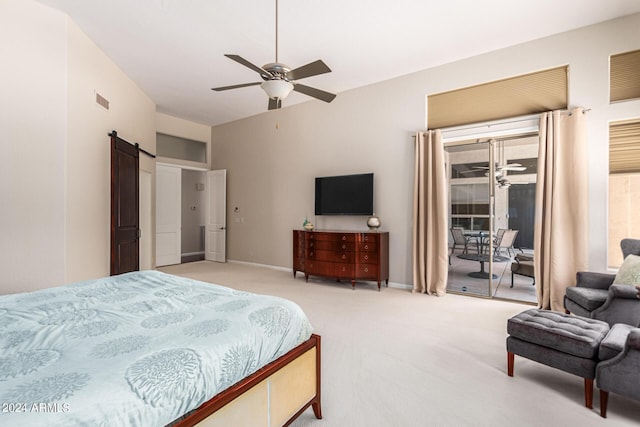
column 470, row 210
column 491, row 211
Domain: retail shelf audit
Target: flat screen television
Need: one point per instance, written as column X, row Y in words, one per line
column 345, row 195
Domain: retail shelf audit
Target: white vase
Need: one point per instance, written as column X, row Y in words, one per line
column 373, row 222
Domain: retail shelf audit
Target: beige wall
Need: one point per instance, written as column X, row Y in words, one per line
column 33, row 49
column 56, row 180
column 272, row 158
column 132, row 114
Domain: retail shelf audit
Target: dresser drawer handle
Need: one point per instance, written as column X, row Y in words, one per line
column 366, row 257
column 344, row 269
column 344, row 246
column 344, row 237
column 366, row 270
column 344, row 256
column 366, row 238
column 366, row 246
column 311, row 254
column 311, row 244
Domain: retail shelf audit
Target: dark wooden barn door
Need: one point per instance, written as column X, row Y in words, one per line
column 125, row 218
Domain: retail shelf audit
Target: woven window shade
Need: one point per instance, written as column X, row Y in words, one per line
column 624, row 79
column 624, row 147
column 517, row 96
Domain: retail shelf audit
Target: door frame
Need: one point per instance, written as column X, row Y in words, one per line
column 182, row 167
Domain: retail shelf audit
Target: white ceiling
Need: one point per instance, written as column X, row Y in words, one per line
column 173, row 49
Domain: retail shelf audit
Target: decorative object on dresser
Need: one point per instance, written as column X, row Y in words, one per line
column 342, row 255
column 373, row 222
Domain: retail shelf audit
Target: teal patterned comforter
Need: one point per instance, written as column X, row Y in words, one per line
column 139, row 349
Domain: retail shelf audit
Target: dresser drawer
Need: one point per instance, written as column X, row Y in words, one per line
column 322, row 268
column 298, row 264
column 328, row 245
column 330, row 256
column 369, row 237
column 332, row 237
column 367, row 258
column 367, row 271
column 344, row 271
column 368, row 246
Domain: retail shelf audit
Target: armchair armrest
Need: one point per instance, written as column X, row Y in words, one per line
column 633, row 341
column 620, row 374
column 622, row 306
column 623, row 291
column 590, row 279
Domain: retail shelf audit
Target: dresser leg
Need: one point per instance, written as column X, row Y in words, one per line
column 378, row 286
column 353, row 285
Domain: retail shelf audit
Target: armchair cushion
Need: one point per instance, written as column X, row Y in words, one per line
column 629, row 272
column 614, row 342
column 587, row 298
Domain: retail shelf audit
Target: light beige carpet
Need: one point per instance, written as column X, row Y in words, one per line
column 393, row 358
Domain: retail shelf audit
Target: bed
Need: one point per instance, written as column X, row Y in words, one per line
column 153, row 349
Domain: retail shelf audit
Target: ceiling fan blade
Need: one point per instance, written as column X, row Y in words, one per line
column 218, row 89
column 316, row 93
column 311, row 69
column 248, row 64
column 274, row 104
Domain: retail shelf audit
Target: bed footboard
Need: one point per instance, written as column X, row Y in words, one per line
column 273, row 396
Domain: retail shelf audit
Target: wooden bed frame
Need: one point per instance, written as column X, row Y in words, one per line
column 275, row 395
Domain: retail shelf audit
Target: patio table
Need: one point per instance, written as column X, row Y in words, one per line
column 482, row 258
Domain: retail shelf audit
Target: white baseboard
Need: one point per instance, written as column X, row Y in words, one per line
column 274, row 267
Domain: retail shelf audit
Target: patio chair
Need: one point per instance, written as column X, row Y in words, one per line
column 523, row 265
column 498, row 236
column 506, row 242
column 460, row 240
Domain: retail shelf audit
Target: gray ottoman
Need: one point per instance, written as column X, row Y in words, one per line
column 569, row 343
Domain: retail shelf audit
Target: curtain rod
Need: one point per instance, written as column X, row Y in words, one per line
column 499, row 122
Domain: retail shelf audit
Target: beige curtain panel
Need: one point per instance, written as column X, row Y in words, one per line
column 430, row 242
column 561, row 231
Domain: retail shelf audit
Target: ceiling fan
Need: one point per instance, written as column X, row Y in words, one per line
column 279, row 79
column 505, row 167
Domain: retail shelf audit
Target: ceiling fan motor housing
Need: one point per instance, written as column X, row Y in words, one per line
column 278, row 71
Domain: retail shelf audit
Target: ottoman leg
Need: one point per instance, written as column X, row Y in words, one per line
column 588, row 393
column 604, row 399
column 510, row 357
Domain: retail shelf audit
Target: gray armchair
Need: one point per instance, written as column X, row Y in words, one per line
column 619, row 374
column 596, row 297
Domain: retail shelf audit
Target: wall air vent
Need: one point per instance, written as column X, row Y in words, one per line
column 102, row 101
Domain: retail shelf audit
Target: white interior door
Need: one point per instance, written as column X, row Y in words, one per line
column 215, row 241
column 168, row 215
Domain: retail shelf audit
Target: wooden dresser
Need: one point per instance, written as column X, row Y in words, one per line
column 342, row 255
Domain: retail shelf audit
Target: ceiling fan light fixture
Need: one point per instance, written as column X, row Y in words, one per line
column 277, row 89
